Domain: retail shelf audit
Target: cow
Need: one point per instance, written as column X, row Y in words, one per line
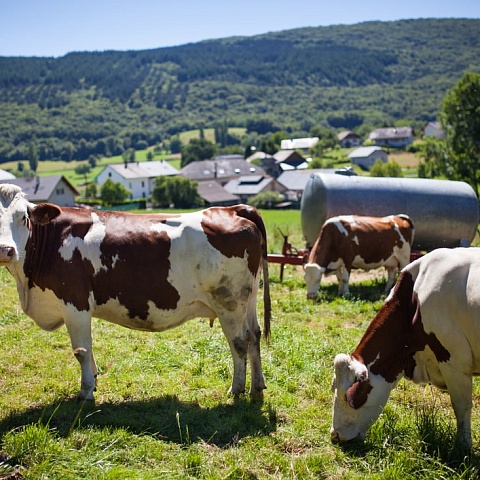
column 147, row 272
column 428, row 331
column 354, row 241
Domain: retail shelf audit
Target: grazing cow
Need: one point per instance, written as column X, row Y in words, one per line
column 148, row 272
column 353, row 241
column 428, row 330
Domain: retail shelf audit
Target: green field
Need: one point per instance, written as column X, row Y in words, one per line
column 162, row 409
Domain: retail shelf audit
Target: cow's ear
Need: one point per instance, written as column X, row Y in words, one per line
column 45, row 213
column 357, row 394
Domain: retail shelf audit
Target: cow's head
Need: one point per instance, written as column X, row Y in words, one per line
column 16, row 215
column 312, row 273
column 358, row 400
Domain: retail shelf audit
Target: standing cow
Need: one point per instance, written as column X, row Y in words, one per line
column 428, row 330
column 148, row 272
column 353, row 241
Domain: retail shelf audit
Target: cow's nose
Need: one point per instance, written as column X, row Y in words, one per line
column 311, row 296
column 335, row 436
column 6, row 253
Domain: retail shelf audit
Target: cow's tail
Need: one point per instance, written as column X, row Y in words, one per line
column 254, row 216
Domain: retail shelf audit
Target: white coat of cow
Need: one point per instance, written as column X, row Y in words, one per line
column 148, row 272
column 428, row 331
column 357, row 241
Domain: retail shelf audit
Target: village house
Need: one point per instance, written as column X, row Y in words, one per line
column 303, row 144
column 433, row 129
column 394, row 137
column 289, row 160
column 214, row 195
column 4, row 175
column 365, row 157
column 222, row 169
column 246, row 187
column 52, row 189
column 137, row 177
column 349, row 139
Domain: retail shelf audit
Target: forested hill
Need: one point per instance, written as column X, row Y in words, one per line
column 369, row 74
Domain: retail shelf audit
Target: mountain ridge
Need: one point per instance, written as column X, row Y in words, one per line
column 346, row 76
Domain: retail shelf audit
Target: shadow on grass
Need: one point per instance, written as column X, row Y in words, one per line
column 371, row 290
column 166, row 418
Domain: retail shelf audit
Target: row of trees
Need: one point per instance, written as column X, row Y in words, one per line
column 457, row 157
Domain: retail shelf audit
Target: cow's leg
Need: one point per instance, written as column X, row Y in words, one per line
column 391, row 271
column 236, row 332
column 258, row 381
column 343, row 275
column 79, row 326
column 459, row 386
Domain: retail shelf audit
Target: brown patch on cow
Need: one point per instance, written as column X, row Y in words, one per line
column 136, row 260
column 44, row 266
column 396, row 334
column 357, row 394
column 234, row 231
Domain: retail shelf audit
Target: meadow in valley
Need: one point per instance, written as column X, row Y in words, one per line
column 162, row 408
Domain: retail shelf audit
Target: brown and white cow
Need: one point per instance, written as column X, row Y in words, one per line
column 148, row 272
column 354, row 241
column 428, row 331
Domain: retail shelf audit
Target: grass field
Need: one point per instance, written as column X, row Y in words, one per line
column 162, row 409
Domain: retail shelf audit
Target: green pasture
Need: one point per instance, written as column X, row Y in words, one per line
column 162, row 409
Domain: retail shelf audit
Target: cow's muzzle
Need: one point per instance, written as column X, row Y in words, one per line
column 337, row 438
column 6, row 253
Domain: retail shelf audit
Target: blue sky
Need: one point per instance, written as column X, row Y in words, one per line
column 57, row 27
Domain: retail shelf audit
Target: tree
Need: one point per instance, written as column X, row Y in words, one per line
column 461, row 121
column 389, row 169
column 196, row 150
column 113, row 192
column 178, row 191
column 175, row 144
column 83, row 169
column 32, row 157
column 91, row 190
column 458, row 156
column 266, row 199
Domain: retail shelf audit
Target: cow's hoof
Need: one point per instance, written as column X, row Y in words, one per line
column 84, row 397
column 235, row 392
column 256, row 395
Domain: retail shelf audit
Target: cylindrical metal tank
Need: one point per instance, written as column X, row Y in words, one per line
column 445, row 213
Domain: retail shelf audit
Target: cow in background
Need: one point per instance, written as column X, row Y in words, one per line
column 147, row 272
column 428, row 331
column 353, row 241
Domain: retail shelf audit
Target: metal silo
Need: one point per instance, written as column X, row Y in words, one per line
column 445, row 213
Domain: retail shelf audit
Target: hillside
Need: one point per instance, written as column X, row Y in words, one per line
column 370, row 74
